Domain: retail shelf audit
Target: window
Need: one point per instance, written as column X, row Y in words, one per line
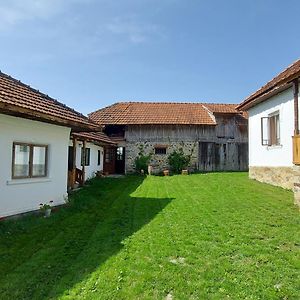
column 270, row 130
column 99, row 157
column 161, row 150
column 85, row 157
column 109, row 155
column 29, row 161
column 120, row 153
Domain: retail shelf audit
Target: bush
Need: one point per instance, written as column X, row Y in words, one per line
column 142, row 161
column 178, row 161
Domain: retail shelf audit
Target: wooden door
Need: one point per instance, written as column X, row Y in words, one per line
column 109, row 160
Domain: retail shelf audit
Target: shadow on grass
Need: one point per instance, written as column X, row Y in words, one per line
column 44, row 258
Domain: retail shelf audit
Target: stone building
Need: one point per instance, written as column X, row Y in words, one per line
column 214, row 135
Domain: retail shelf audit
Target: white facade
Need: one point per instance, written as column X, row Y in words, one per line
column 93, row 167
column 279, row 155
column 22, row 195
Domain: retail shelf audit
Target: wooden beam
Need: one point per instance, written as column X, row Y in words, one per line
column 74, row 162
column 83, row 160
column 296, row 106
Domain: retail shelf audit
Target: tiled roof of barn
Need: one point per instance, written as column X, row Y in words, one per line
column 17, row 97
column 142, row 113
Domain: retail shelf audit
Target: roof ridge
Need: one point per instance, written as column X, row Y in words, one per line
column 43, row 94
column 100, row 109
column 268, row 82
column 165, row 102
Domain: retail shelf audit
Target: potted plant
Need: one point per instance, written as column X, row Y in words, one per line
column 166, row 172
column 46, row 209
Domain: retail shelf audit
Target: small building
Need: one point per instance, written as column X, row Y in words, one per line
column 34, row 141
column 274, row 141
column 87, row 159
column 214, row 135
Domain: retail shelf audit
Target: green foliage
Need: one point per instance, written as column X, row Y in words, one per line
column 45, row 206
column 212, row 236
column 178, row 161
column 142, row 161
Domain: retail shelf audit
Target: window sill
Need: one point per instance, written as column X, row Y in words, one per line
column 28, row 181
column 274, row 147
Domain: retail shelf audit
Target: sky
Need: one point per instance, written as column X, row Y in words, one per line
column 91, row 53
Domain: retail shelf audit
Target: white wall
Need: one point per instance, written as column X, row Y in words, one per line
column 93, row 167
column 22, row 195
column 273, row 156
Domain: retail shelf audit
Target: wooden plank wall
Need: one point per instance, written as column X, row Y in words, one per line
column 221, row 147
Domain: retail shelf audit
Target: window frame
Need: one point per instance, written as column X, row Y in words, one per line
column 31, row 147
column 276, row 116
column 269, row 140
column 87, row 158
column 160, row 148
column 109, row 155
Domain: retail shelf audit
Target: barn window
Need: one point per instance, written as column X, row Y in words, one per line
column 85, row 157
column 161, row 150
column 29, row 160
column 270, row 130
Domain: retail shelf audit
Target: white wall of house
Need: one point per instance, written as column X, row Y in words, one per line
column 90, row 170
column 272, row 156
column 22, row 195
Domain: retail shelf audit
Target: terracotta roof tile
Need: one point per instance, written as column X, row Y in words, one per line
column 123, row 113
column 16, row 94
column 281, row 80
column 100, row 137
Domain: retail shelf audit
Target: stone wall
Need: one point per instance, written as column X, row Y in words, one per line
column 159, row 161
column 278, row 176
column 296, row 170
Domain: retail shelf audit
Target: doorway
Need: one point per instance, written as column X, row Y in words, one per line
column 120, row 160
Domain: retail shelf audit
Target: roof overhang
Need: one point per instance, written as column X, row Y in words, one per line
column 97, row 141
column 284, row 85
column 26, row 113
column 247, row 105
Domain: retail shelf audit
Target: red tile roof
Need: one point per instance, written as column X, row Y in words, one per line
column 278, row 83
column 19, row 99
column 125, row 113
column 99, row 137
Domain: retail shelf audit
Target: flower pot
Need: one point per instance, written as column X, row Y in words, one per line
column 166, row 172
column 47, row 213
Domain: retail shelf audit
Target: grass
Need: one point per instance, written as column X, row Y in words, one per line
column 204, row 236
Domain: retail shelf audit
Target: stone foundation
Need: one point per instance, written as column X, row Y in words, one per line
column 297, row 185
column 278, row 176
column 159, row 162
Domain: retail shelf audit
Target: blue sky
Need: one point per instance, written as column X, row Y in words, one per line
column 91, row 53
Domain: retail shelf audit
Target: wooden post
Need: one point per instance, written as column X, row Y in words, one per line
column 83, row 160
column 74, row 162
column 296, row 106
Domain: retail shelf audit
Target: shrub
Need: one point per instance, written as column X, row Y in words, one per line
column 142, row 161
column 178, row 161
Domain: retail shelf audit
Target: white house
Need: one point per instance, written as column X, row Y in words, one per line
column 34, row 141
column 88, row 158
column 274, row 130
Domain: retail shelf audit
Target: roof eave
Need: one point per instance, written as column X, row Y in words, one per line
column 244, row 106
column 26, row 113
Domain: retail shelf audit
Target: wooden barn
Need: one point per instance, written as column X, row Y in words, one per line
column 214, row 135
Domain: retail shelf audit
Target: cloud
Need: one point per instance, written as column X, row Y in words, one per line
column 13, row 12
column 136, row 32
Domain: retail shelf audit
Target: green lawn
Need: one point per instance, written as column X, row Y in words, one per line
column 204, row 236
